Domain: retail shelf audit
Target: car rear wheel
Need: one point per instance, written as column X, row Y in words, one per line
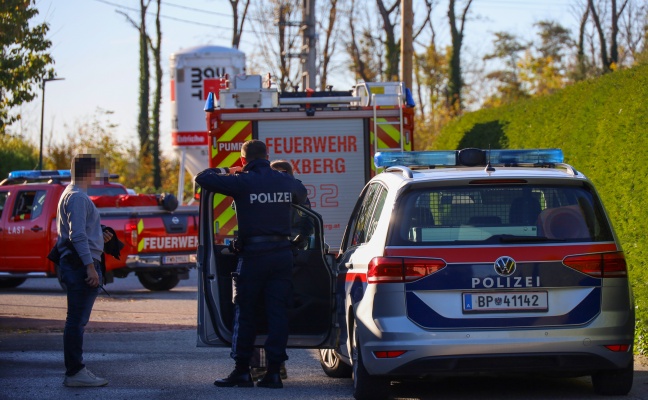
column 158, row 281
column 332, row 365
column 616, row 382
column 365, row 386
column 8, row 283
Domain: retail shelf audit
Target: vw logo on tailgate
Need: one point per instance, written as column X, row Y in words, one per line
column 175, row 220
column 504, row 266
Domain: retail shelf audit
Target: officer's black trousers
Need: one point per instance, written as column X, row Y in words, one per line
column 266, row 274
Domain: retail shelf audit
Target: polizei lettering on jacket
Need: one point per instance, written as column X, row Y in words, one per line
column 276, row 197
column 506, row 282
column 170, row 242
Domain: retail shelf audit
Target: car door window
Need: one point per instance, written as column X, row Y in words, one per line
column 29, row 205
column 3, row 201
column 362, row 230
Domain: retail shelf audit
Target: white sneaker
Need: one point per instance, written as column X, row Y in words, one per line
column 84, row 378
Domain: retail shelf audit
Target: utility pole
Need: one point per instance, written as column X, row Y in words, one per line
column 309, row 46
column 407, row 46
column 40, row 151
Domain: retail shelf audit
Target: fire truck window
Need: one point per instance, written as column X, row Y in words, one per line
column 37, row 206
column 3, row 200
column 24, row 204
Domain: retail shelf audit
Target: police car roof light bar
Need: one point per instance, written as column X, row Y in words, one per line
column 468, row 157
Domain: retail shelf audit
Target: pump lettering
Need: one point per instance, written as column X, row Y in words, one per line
column 276, row 197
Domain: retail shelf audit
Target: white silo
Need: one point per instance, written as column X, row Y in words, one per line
column 195, row 72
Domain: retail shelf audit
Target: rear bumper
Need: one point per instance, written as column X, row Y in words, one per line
column 569, row 351
column 561, row 364
column 159, row 261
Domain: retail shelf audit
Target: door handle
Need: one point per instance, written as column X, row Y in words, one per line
column 36, row 228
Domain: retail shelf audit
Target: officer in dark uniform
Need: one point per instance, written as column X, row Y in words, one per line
column 263, row 200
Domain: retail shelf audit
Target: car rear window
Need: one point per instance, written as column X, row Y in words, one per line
column 499, row 214
column 106, row 191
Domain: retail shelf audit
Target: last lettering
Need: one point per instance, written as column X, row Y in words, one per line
column 15, row 230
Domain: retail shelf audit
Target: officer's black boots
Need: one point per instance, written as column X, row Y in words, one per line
column 271, row 381
column 240, row 378
column 272, row 378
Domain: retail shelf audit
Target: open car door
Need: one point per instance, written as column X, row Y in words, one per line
column 312, row 310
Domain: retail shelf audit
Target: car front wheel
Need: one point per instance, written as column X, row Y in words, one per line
column 332, row 365
column 7, row 283
column 365, row 386
column 615, row 382
column 158, row 281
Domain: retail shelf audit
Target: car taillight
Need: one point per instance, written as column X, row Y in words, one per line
column 602, row 265
column 130, row 230
column 401, row 269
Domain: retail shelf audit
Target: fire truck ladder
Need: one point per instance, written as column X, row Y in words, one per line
column 388, row 99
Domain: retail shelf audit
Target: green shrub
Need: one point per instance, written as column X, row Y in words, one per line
column 601, row 125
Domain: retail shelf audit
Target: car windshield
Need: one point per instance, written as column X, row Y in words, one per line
column 488, row 214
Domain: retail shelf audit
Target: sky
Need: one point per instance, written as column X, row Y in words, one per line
column 96, row 52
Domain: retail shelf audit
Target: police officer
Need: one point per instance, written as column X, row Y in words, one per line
column 263, row 200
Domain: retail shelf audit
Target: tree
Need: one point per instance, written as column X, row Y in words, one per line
column 237, row 31
column 157, row 100
column 455, row 82
column 331, row 33
column 24, row 57
column 392, row 46
column 507, row 48
column 282, row 43
column 16, row 153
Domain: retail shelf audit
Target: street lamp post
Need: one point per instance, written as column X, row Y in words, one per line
column 40, row 153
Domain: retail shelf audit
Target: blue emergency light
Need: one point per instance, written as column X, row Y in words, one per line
column 209, row 104
column 468, row 157
column 29, row 174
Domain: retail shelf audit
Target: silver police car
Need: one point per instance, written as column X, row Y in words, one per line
column 476, row 261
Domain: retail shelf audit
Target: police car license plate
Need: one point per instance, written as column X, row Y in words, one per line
column 181, row 259
column 504, row 302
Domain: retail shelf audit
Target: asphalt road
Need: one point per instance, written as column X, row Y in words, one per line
column 144, row 343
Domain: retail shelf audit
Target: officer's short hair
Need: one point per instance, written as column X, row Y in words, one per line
column 253, row 149
column 84, row 165
column 283, row 166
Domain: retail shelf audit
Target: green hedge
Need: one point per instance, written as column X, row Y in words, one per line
column 602, row 127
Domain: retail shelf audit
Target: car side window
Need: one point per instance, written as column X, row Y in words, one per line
column 3, row 201
column 375, row 216
column 361, row 231
column 29, row 205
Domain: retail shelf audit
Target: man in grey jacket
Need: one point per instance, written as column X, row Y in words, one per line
column 78, row 223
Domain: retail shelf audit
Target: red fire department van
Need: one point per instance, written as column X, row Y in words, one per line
column 330, row 138
column 160, row 242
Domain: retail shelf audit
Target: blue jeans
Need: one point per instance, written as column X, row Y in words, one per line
column 80, row 299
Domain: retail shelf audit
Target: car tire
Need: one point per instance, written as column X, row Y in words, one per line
column 8, row 283
column 158, row 281
column 615, row 382
column 365, row 386
column 332, row 365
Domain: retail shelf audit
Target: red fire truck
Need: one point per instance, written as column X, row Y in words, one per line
column 330, row 138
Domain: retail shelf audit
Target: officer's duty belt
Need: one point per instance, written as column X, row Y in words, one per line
column 265, row 239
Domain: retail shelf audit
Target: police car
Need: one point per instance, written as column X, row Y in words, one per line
column 457, row 262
